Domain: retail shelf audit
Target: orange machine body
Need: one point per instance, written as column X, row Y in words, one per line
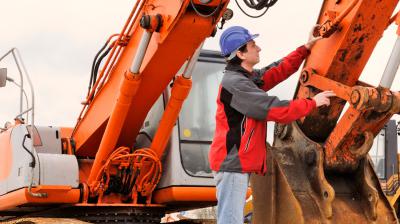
column 6, row 155
column 110, row 169
column 166, row 53
column 341, row 59
column 320, row 166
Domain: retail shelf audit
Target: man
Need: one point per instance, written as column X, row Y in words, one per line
column 243, row 108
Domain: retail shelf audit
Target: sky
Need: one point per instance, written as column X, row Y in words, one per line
column 59, row 39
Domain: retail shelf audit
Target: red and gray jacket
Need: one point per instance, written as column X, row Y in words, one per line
column 244, row 107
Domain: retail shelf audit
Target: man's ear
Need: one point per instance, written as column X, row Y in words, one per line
column 240, row 55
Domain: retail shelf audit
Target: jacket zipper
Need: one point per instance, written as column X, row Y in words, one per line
column 248, row 140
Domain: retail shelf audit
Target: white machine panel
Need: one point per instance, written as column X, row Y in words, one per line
column 51, row 168
column 56, row 169
column 50, row 140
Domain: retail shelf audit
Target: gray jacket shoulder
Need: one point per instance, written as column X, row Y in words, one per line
column 232, row 79
column 246, row 97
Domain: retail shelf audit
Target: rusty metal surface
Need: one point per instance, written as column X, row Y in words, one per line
column 352, row 137
column 297, row 188
column 343, row 55
column 310, row 78
column 319, row 168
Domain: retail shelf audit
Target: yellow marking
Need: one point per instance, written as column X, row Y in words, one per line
column 187, row 133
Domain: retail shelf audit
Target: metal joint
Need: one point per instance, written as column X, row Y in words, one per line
column 368, row 140
column 304, row 76
column 152, row 23
column 378, row 99
column 327, row 29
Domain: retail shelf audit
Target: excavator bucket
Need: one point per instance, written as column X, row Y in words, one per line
column 297, row 189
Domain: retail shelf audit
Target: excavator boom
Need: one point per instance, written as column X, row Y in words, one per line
column 167, row 50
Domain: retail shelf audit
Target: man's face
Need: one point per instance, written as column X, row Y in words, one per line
column 251, row 56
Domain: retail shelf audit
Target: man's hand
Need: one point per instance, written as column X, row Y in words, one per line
column 311, row 38
column 323, row 98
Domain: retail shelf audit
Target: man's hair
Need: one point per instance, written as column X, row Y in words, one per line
column 236, row 60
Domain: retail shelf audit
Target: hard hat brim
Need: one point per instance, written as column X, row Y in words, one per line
column 254, row 36
column 233, row 54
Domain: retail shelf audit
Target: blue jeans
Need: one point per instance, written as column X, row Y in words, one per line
column 231, row 195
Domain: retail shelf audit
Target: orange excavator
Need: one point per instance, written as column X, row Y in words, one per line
column 129, row 159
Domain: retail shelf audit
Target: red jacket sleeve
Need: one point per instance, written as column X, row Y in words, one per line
column 286, row 67
column 294, row 110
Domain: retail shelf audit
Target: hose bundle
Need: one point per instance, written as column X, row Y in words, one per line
column 138, row 173
column 257, row 5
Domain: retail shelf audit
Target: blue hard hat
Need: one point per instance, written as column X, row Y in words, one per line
column 233, row 38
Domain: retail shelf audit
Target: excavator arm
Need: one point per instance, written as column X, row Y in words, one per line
column 358, row 26
column 319, row 168
column 153, row 45
column 157, row 31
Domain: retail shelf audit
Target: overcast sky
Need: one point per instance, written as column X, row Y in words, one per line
column 58, row 40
